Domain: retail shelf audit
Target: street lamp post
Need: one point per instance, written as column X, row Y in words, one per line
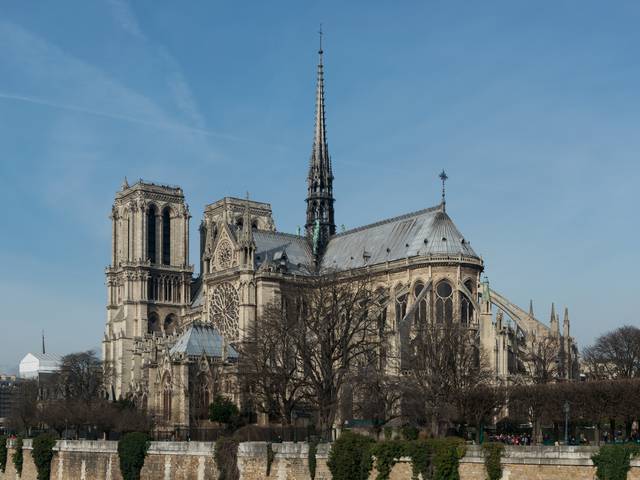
column 566, row 423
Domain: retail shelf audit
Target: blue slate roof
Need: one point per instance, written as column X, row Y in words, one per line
column 199, row 339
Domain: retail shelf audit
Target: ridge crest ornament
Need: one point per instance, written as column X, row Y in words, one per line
column 223, row 306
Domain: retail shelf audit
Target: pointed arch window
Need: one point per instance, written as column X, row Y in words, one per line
column 166, row 237
column 169, row 324
column 151, row 234
column 401, row 307
column 444, row 302
column 167, row 395
column 153, row 323
column 420, row 316
column 466, row 307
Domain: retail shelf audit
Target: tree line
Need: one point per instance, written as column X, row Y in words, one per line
column 73, row 401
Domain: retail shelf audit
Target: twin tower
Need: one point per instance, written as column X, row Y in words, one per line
column 150, row 278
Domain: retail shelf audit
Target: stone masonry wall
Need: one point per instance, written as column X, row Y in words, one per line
column 84, row 460
column 527, row 463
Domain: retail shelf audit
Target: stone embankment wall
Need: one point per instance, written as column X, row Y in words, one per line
column 84, row 460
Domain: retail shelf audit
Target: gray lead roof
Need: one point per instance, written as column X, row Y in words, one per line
column 425, row 232
column 199, row 339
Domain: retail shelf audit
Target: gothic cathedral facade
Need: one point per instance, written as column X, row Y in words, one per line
column 169, row 336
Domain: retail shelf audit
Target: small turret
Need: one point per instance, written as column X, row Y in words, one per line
column 531, row 308
column 565, row 323
column 553, row 322
column 247, row 243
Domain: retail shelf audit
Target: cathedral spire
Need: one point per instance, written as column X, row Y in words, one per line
column 320, row 223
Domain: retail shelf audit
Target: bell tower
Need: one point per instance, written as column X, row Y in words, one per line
column 149, row 278
column 320, row 224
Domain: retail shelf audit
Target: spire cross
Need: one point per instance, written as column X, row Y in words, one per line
column 444, row 178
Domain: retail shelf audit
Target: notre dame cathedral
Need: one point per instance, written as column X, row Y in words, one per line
column 170, row 335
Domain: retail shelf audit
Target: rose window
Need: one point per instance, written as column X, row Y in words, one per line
column 224, row 310
column 224, row 255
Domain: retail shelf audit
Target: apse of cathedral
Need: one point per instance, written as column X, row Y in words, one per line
column 170, row 335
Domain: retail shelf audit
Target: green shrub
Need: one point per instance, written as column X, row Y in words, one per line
column 226, row 455
column 493, row 459
column 270, row 457
column 612, row 461
column 447, row 453
column 388, row 433
column 410, row 432
column 132, row 450
column 350, row 457
column 3, row 453
column 421, row 455
column 436, row 459
column 42, row 454
column 313, row 450
column 387, row 454
column 223, row 410
column 17, row 457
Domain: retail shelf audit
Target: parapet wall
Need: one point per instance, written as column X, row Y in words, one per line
column 85, row 460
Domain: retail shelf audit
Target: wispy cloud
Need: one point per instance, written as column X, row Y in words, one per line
column 116, row 116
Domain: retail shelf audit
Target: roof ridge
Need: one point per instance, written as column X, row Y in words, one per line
column 389, row 220
column 284, row 234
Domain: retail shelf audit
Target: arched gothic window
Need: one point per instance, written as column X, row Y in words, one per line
column 151, row 234
column 401, row 307
column 166, row 237
column 444, row 302
column 203, row 397
column 153, row 323
column 166, row 398
column 169, row 324
column 466, row 307
column 420, row 315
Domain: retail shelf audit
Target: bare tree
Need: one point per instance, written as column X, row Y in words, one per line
column 82, row 376
column 271, row 365
column 338, row 328
column 445, row 362
column 24, row 413
column 541, row 358
column 377, row 395
column 615, row 354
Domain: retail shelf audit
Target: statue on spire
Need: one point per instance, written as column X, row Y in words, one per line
column 443, row 177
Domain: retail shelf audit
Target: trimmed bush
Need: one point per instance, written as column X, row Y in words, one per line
column 17, row 457
column 270, row 457
column 493, row 460
column 132, row 450
column 226, row 455
column 3, row 453
column 436, row 459
column 447, row 453
column 42, row 454
column 313, row 450
column 350, row 457
column 387, row 454
column 421, row 455
column 613, row 461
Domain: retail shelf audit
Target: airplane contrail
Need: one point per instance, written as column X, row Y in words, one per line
column 116, row 116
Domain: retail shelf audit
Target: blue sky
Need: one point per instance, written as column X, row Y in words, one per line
column 531, row 107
